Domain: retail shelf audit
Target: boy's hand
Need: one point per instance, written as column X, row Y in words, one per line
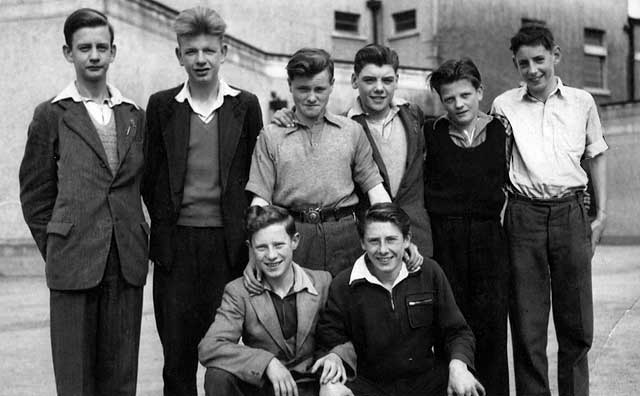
column 281, row 379
column 283, row 118
column 252, row 277
column 461, row 381
column 333, row 370
column 413, row 258
column 597, row 228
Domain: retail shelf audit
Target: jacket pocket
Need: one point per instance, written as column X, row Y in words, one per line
column 61, row 229
column 420, row 309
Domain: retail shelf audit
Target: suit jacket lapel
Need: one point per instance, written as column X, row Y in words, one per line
column 176, row 138
column 78, row 120
column 126, row 130
column 307, row 308
column 377, row 157
column 231, row 116
column 267, row 316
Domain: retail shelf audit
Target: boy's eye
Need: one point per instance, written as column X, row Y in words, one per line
column 388, row 81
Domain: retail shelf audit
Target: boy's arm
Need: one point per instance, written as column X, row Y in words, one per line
column 38, row 174
column 595, row 151
column 262, row 174
column 220, row 348
column 598, row 167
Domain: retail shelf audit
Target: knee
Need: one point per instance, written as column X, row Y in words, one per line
column 337, row 389
column 216, row 379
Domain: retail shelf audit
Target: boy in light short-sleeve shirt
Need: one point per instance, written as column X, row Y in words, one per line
column 550, row 239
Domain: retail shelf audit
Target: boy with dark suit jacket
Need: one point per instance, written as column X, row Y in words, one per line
column 201, row 136
column 80, row 193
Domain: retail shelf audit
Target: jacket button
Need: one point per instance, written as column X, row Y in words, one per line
column 102, row 165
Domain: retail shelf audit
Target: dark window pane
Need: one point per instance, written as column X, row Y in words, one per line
column 405, row 20
column 593, row 37
column 346, row 21
column 593, row 71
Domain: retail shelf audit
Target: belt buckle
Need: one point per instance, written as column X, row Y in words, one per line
column 312, row 215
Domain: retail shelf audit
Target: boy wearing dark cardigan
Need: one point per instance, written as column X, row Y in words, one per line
column 465, row 172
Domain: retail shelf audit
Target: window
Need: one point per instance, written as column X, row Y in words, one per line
column 346, row 21
column 405, row 20
column 595, row 56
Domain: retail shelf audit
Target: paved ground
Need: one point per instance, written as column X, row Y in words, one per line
column 25, row 360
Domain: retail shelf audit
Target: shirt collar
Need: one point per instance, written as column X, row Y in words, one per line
column 360, row 271
column 223, row 90
column 328, row 117
column 71, row 92
column 301, row 281
column 524, row 92
column 482, row 122
column 356, row 108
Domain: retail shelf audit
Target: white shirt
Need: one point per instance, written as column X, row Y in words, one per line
column 550, row 139
column 206, row 113
column 100, row 112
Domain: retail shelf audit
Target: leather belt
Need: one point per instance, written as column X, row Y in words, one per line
column 321, row 215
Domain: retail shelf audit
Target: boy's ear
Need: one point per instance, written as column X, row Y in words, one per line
column 66, row 52
column 179, row 55
column 513, row 59
column 480, row 91
column 557, row 54
column 295, row 239
column 354, row 81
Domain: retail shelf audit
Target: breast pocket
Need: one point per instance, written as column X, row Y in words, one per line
column 420, row 309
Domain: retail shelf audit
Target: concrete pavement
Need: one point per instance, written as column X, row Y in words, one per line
column 25, row 355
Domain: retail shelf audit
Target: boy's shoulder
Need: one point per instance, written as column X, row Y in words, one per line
column 511, row 95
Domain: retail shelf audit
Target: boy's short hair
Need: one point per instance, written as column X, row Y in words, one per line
column 386, row 212
column 259, row 217
column 376, row 54
column 83, row 18
column 454, row 70
column 199, row 20
column 532, row 34
column 307, row 62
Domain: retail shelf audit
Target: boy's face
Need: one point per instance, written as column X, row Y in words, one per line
column 536, row 66
column 384, row 245
column 311, row 94
column 91, row 53
column 376, row 86
column 201, row 57
column 461, row 100
column 273, row 250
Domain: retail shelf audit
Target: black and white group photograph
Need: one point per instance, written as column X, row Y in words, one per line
column 320, row 198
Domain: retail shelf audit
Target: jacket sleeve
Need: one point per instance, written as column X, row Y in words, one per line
column 219, row 347
column 38, row 174
column 151, row 152
column 333, row 330
column 459, row 342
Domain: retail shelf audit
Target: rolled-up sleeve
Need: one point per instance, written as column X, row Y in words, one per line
column 595, row 144
column 262, row 175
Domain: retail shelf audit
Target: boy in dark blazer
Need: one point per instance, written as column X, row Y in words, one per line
column 277, row 326
column 80, row 192
column 201, row 136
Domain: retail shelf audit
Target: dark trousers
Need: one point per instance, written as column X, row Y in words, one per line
column 218, row 382
column 473, row 254
column 185, row 300
column 431, row 383
column 329, row 246
column 95, row 335
column 550, row 249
